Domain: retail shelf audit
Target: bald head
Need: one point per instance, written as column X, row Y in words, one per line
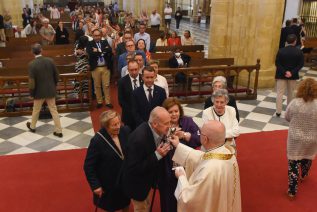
column 160, row 120
column 157, row 114
column 215, row 131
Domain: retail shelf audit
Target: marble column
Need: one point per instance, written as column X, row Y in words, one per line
column 14, row 7
column 247, row 30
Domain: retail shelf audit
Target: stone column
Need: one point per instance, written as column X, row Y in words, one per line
column 247, row 30
column 14, row 7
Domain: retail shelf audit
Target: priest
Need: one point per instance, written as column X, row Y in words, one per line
column 211, row 181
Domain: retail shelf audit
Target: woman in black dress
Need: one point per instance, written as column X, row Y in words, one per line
column 103, row 163
column 61, row 34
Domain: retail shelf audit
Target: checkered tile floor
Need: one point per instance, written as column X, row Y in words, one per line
column 16, row 139
column 255, row 116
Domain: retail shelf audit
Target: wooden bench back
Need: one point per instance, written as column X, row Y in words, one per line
column 167, row 55
column 203, row 62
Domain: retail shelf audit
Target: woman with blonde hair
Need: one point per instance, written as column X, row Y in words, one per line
column 103, row 163
column 302, row 133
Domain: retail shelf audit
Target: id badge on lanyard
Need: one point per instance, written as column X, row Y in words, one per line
column 101, row 60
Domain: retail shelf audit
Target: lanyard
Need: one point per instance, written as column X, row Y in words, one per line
column 121, row 156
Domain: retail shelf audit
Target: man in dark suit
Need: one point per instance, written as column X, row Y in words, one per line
column 296, row 30
column 126, row 85
column 289, row 61
column 287, row 30
column 43, row 78
column 145, row 98
column 144, row 156
column 100, row 56
column 180, row 60
column 121, row 46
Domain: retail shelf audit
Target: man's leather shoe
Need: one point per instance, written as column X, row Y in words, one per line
column 58, row 134
column 28, row 125
column 99, row 105
column 109, row 106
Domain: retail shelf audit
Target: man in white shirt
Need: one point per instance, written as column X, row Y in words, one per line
column 168, row 15
column 159, row 79
column 143, row 35
column 105, row 36
column 155, row 19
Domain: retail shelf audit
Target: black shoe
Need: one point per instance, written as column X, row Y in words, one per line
column 278, row 114
column 99, row 105
column 109, row 106
column 58, row 134
column 28, row 125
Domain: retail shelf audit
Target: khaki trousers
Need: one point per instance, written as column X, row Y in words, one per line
column 37, row 105
column 101, row 77
column 142, row 206
column 281, row 86
column 2, row 35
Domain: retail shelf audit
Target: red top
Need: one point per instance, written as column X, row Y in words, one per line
column 174, row 41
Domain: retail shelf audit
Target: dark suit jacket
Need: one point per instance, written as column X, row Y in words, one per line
column 296, row 30
column 125, row 99
column 232, row 103
column 290, row 59
column 93, row 56
column 172, row 62
column 43, row 78
column 284, row 33
column 120, row 49
column 141, row 106
column 141, row 165
column 103, row 168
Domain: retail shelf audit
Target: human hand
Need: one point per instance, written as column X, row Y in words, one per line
column 179, row 171
column 288, row 74
column 174, row 140
column 94, row 49
column 98, row 192
column 163, row 149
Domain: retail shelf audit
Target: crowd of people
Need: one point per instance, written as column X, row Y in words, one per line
column 124, row 162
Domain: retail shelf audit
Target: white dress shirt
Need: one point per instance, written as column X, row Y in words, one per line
column 155, row 19
column 147, row 92
column 132, row 82
column 162, row 82
column 145, row 36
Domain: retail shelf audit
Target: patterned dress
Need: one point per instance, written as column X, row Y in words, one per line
column 81, row 66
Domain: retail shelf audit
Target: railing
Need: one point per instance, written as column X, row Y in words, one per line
column 242, row 81
column 15, row 98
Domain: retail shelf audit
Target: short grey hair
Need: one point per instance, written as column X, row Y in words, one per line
column 155, row 114
column 220, row 93
column 107, row 116
column 221, row 79
column 36, row 48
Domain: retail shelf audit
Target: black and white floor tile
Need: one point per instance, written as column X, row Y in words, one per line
column 255, row 116
column 15, row 138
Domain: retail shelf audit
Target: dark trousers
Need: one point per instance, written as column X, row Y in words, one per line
column 156, row 27
column 177, row 23
column 294, row 167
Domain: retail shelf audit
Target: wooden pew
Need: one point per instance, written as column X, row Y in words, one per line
column 193, row 48
column 23, row 62
column 23, row 71
column 203, row 76
column 167, row 55
column 202, row 62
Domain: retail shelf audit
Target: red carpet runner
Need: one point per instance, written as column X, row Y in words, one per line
column 55, row 182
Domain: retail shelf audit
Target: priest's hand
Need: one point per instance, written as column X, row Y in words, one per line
column 179, row 171
column 98, row 192
column 174, row 140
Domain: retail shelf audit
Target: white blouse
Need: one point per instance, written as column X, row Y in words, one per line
column 228, row 119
